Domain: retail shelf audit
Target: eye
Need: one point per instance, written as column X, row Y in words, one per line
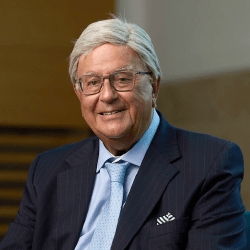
column 124, row 77
column 92, row 83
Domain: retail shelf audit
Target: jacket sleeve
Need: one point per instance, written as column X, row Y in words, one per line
column 21, row 231
column 218, row 220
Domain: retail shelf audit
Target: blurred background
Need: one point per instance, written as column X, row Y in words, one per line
column 204, row 51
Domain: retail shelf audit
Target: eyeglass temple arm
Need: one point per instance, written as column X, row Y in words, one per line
column 140, row 72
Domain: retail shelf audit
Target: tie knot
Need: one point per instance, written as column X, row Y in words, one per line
column 117, row 170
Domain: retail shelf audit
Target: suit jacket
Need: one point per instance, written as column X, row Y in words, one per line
column 194, row 177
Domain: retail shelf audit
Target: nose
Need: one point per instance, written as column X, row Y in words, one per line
column 108, row 94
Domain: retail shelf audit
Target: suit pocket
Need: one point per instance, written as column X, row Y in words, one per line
column 175, row 226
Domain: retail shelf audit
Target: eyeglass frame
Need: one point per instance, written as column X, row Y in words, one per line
column 109, row 77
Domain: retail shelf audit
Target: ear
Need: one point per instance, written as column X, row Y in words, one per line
column 77, row 90
column 155, row 90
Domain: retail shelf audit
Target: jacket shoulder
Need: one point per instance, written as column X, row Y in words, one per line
column 200, row 142
column 67, row 149
column 195, row 137
column 55, row 158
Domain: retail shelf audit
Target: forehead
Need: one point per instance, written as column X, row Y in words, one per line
column 107, row 58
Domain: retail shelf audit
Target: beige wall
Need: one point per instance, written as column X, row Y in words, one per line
column 218, row 105
column 36, row 40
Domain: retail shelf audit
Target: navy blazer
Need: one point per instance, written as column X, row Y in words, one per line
column 194, row 177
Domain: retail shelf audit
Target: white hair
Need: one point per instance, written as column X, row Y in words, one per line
column 118, row 32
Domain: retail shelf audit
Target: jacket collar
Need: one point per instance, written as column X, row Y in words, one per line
column 74, row 188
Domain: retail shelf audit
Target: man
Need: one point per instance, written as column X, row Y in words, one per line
column 172, row 189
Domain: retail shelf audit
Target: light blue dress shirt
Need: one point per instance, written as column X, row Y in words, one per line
column 101, row 189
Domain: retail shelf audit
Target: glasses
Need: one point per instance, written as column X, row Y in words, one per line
column 121, row 81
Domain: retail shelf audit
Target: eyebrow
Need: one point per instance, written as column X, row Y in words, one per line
column 129, row 67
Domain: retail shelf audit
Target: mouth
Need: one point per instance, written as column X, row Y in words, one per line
column 113, row 112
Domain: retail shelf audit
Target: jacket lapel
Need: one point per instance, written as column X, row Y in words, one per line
column 74, row 189
column 154, row 175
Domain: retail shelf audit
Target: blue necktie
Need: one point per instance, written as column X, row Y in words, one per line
column 108, row 220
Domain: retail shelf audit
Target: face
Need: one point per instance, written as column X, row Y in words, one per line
column 133, row 109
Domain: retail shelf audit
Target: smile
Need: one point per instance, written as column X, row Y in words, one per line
column 111, row 113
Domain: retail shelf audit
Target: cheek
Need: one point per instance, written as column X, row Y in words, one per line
column 87, row 106
column 145, row 95
column 141, row 106
column 146, row 89
column 87, row 102
column 145, row 102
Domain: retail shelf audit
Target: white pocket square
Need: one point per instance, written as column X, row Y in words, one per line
column 165, row 218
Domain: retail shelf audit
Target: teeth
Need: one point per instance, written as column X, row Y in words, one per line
column 111, row 113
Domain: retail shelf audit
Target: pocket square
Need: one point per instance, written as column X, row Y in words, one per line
column 165, row 218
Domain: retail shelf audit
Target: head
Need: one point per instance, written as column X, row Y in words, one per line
column 118, row 32
column 102, row 48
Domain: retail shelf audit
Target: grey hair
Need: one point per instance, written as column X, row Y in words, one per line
column 118, row 32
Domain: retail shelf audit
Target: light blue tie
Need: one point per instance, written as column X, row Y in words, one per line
column 108, row 220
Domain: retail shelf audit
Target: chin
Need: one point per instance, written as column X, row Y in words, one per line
column 112, row 134
column 115, row 137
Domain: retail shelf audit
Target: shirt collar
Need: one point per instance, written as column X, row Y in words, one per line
column 136, row 154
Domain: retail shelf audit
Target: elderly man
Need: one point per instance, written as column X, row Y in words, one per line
column 141, row 183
